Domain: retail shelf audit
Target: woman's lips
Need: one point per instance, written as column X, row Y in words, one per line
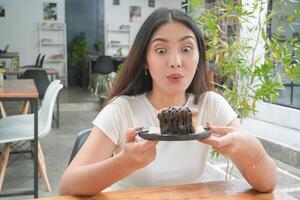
column 174, row 78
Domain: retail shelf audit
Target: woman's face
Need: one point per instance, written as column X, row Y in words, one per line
column 172, row 58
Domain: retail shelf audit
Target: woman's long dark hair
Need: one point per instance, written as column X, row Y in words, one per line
column 133, row 81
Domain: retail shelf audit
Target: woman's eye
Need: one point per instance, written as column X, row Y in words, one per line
column 161, row 50
column 186, row 49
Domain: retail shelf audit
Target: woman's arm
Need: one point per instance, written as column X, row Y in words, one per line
column 247, row 153
column 93, row 169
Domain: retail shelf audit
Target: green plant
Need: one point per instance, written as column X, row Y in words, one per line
column 119, row 70
column 15, row 62
column 78, row 50
column 245, row 75
column 99, row 48
column 2, row 70
column 250, row 76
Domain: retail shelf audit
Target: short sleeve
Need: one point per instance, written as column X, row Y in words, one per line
column 109, row 121
column 221, row 112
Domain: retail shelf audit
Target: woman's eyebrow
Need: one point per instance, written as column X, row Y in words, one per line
column 180, row 40
column 159, row 39
column 186, row 37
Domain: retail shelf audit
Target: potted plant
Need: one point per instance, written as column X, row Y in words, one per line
column 78, row 50
column 2, row 70
column 99, row 48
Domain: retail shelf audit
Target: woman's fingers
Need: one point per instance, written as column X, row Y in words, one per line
column 146, row 145
column 219, row 142
column 220, row 130
column 132, row 133
column 139, row 143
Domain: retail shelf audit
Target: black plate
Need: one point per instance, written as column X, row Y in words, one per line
column 168, row 137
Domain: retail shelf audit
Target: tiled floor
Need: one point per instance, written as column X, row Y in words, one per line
column 76, row 115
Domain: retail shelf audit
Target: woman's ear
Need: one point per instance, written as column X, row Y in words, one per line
column 146, row 69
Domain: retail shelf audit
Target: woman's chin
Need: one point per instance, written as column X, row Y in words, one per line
column 175, row 91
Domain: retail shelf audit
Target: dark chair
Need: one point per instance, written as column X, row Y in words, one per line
column 39, row 61
column 100, row 78
column 40, row 78
column 104, row 65
column 41, row 81
column 80, row 140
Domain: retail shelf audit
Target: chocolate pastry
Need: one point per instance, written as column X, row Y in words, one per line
column 176, row 121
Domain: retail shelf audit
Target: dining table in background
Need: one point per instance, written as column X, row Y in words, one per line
column 216, row 190
column 18, row 90
column 9, row 55
column 53, row 73
column 92, row 57
column 6, row 58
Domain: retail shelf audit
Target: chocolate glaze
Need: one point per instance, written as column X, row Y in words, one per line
column 176, row 121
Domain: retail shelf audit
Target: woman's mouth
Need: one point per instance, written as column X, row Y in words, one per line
column 174, row 78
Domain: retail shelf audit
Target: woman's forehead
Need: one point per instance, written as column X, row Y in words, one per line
column 172, row 29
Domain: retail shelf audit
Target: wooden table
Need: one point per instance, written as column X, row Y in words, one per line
column 219, row 190
column 19, row 71
column 24, row 89
column 9, row 55
column 50, row 71
column 94, row 57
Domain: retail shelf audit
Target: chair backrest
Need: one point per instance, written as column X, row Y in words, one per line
column 40, row 78
column 37, row 61
column 41, row 63
column 104, row 65
column 46, row 110
column 80, row 140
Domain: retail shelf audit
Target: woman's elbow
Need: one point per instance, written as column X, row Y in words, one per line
column 63, row 189
column 267, row 189
column 77, row 189
column 268, row 186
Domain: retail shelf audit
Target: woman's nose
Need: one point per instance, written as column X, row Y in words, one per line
column 175, row 60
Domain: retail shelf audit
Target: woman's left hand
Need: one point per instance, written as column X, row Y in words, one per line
column 233, row 142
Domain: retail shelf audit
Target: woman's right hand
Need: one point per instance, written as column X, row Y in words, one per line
column 138, row 152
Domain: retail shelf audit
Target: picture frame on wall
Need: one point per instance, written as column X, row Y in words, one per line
column 2, row 11
column 116, row 2
column 151, row 3
column 135, row 14
column 50, row 11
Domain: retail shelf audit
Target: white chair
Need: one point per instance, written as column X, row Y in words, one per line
column 20, row 128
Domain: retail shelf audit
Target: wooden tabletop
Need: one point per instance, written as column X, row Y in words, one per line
column 18, row 88
column 219, row 190
column 9, row 55
column 20, row 71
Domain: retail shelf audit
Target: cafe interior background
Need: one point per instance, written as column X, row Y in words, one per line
column 61, row 31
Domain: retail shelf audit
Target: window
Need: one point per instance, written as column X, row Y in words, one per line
column 286, row 26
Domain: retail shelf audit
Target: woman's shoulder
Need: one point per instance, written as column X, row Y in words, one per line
column 211, row 96
column 208, row 100
column 123, row 100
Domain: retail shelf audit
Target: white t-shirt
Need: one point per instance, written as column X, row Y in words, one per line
column 176, row 162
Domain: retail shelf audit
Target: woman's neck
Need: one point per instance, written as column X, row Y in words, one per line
column 160, row 101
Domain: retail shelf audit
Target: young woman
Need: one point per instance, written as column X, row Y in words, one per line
column 166, row 66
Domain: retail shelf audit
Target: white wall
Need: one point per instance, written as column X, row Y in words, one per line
column 280, row 115
column 117, row 15
column 19, row 26
column 246, row 31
